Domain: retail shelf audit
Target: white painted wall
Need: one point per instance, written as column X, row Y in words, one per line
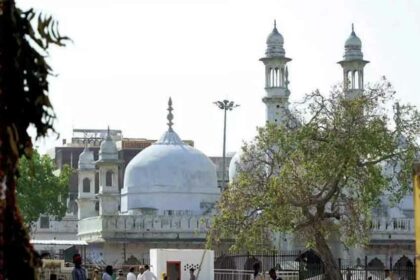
column 188, row 258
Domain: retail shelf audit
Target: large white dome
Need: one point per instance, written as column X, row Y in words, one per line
column 170, row 176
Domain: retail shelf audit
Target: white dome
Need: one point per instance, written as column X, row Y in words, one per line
column 108, row 149
column 233, row 166
column 170, row 175
column 353, row 47
column 86, row 159
column 275, row 43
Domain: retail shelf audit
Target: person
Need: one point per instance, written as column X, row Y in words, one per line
column 141, row 271
column 120, row 275
column 369, row 278
column 78, row 272
column 163, row 276
column 257, row 275
column 108, row 273
column 147, row 274
column 95, row 275
column 192, row 276
column 273, row 275
column 131, row 275
column 388, row 275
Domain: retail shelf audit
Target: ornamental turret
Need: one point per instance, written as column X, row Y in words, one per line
column 353, row 65
column 276, row 79
column 108, row 163
column 86, row 200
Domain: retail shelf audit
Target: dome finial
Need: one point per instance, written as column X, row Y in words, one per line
column 170, row 116
column 275, row 24
column 108, row 133
column 352, row 29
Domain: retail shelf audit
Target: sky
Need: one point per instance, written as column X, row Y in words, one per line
column 128, row 57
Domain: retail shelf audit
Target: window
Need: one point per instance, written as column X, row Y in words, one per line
column 356, row 80
column 86, row 185
column 108, row 178
column 44, row 222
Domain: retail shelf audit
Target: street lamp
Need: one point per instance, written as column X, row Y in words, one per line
column 225, row 105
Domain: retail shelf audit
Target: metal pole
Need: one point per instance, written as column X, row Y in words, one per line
column 225, row 105
column 224, row 153
column 416, row 194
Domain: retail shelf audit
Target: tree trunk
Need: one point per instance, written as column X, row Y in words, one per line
column 332, row 272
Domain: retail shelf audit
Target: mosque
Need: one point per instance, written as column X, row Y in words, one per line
column 170, row 188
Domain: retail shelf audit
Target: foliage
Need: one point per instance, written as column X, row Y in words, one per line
column 23, row 101
column 39, row 191
column 319, row 175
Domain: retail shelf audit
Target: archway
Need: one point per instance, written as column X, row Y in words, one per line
column 404, row 268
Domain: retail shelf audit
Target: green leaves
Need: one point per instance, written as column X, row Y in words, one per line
column 39, row 191
column 324, row 175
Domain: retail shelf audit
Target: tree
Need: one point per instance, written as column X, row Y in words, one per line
column 23, row 101
column 39, row 191
column 319, row 176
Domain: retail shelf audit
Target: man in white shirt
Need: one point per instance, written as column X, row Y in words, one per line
column 131, row 275
column 147, row 274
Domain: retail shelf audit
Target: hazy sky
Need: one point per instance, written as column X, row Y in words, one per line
column 129, row 56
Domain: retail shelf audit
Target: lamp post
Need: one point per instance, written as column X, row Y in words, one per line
column 416, row 194
column 224, row 105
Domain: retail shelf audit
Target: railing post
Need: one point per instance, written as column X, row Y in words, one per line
column 366, row 267
column 416, row 195
column 274, row 259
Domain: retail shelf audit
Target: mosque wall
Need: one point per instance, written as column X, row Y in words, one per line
column 132, row 252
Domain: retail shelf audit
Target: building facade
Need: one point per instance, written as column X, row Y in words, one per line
column 130, row 195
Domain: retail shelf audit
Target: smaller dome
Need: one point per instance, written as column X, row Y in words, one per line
column 275, row 43
column 353, row 47
column 86, row 159
column 353, row 41
column 108, row 149
column 233, row 166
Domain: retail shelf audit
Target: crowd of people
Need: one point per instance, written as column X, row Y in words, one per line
column 80, row 273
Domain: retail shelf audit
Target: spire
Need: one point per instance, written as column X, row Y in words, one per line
column 169, row 137
column 275, row 24
column 108, row 133
column 352, row 29
column 170, row 116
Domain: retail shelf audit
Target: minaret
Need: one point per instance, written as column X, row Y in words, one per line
column 86, row 185
column 353, row 65
column 107, row 164
column 276, row 79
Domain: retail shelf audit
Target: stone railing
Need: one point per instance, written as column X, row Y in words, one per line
column 144, row 225
column 395, row 225
column 90, row 225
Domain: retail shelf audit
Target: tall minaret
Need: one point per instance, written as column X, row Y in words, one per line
column 353, row 65
column 276, row 79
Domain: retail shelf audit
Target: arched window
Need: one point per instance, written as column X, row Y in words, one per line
column 86, row 185
column 282, row 77
column 356, row 79
column 108, row 178
column 349, row 80
column 272, row 77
